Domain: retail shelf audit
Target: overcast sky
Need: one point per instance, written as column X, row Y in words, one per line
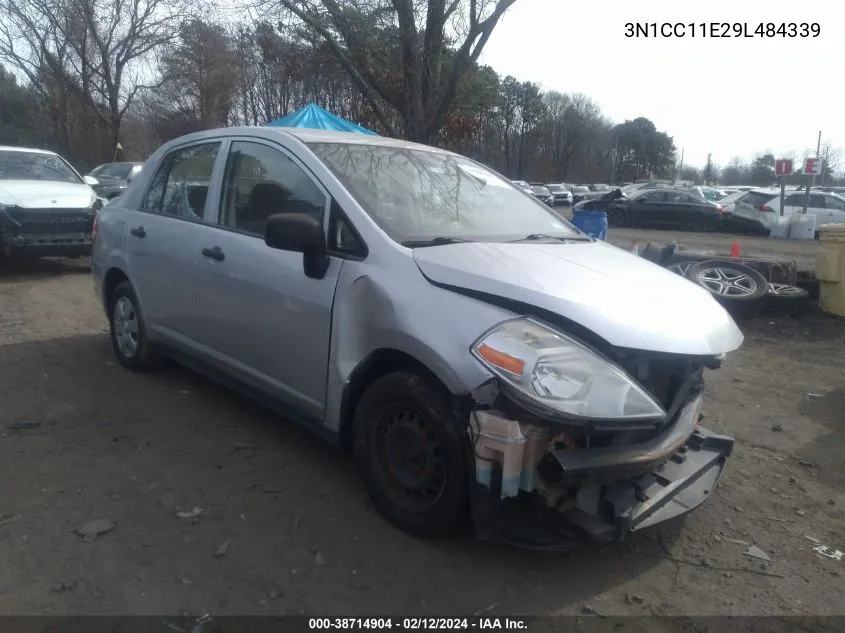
column 712, row 95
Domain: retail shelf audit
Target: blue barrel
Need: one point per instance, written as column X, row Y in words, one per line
column 593, row 223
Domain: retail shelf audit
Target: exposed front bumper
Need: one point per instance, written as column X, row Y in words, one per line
column 58, row 245
column 613, row 491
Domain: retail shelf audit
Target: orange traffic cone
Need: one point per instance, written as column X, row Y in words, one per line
column 735, row 250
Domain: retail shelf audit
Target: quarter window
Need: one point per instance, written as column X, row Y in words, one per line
column 180, row 186
column 834, row 203
column 261, row 181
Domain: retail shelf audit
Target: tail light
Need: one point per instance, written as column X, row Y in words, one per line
column 719, row 208
column 766, row 208
column 94, row 227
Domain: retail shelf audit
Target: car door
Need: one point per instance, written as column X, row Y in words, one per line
column 647, row 208
column 265, row 322
column 835, row 207
column 162, row 241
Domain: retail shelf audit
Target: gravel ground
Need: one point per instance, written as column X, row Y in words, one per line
column 285, row 525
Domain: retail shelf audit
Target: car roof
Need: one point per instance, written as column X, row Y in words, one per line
column 33, row 150
column 308, row 135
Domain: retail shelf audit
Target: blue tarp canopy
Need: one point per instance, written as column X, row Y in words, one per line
column 313, row 116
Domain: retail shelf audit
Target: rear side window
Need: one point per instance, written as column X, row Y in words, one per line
column 834, row 203
column 261, row 181
column 756, row 199
column 180, row 186
column 794, row 200
column 653, row 196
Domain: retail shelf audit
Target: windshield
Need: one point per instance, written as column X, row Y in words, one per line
column 554, row 188
column 113, row 170
column 17, row 165
column 416, row 195
column 581, row 190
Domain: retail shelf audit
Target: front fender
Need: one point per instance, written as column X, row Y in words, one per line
column 376, row 309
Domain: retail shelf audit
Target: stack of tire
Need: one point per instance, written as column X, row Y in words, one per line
column 742, row 290
column 741, row 285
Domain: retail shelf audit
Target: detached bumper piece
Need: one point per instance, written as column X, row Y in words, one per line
column 599, row 494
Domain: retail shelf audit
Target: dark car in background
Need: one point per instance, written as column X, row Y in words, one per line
column 561, row 193
column 542, row 193
column 113, row 178
column 660, row 207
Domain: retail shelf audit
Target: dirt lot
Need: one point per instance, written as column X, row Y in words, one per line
column 108, row 444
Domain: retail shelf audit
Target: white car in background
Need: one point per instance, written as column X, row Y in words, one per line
column 47, row 208
column 761, row 207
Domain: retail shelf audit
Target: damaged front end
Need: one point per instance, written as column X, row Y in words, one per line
column 47, row 232
column 571, row 444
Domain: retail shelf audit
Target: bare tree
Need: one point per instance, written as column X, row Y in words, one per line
column 95, row 47
column 397, row 54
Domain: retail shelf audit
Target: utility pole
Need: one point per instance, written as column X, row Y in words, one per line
column 813, row 177
column 680, row 167
column 707, row 170
column 614, row 153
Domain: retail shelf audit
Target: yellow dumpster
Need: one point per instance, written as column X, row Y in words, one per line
column 830, row 268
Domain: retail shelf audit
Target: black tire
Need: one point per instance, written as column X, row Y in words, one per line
column 616, row 218
column 739, row 288
column 812, row 286
column 418, row 413
column 141, row 358
column 786, row 300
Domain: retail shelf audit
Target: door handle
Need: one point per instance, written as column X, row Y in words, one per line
column 138, row 231
column 215, row 253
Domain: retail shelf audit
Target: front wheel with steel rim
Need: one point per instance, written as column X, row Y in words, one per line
column 739, row 288
column 411, row 450
column 126, row 325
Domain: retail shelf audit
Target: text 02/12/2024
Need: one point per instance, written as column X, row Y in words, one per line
column 722, row 29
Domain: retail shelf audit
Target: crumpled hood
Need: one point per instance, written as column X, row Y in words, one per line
column 625, row 299
column 44, row 194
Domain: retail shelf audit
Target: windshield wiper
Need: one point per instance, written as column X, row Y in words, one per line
column 533, row 237
column 435, row 241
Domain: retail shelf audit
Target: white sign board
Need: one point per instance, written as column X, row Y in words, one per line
column 812, row 167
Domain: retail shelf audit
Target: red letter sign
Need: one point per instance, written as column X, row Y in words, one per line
column 783, row 167
column 812, row 167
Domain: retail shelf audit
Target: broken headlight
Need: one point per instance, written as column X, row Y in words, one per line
column 562, row 374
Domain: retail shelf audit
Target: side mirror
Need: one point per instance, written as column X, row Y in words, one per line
column 91, row 181
column 299, row 233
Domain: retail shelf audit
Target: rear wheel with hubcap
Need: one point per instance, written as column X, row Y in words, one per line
column 411, row 451
column 126, row 327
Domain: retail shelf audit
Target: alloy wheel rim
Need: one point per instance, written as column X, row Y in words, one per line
column 125, row 320
column 784, row 290
column 680, row 268
column 726, row 282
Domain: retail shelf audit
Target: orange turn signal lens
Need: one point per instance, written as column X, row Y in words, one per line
column 501, row 360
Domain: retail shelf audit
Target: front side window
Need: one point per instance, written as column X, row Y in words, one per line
column 180, row 186
column 21, row 165
column 816, row 201
column 261, row 181
column 417, row 195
